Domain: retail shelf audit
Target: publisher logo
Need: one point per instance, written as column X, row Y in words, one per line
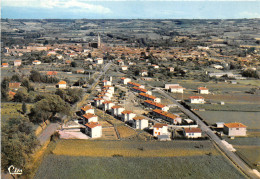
column 14, row 171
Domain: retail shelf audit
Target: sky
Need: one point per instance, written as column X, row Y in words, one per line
column 129, row 9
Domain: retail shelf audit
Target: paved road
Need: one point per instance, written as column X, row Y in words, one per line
column 232, row 156
column 47, row 132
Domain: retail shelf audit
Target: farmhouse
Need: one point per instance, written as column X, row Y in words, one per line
column 167, row 86
column 140, row 122
column 235, row 129
column 93, row 129
column 155, row 105
column 98, row 102
column 160, row 129
column 107, row 105
column 62, row 84
column 149, row 97
column 141, row 90
column 36, row 62
column 132, row 84
column 176, row 89
column 87, row 109
column 125, row 80
column 197, row 100
column 124, row 68
column 14, row 86
column 5, row 65
column 99, row 61
column 88, row 117
column 127, row 115
column 117, row 110
column 107, row 83
column 172, row 118
column 203, row 90
column 17, row 63
column 192, row 132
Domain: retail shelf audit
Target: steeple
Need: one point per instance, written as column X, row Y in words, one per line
column 99, row 41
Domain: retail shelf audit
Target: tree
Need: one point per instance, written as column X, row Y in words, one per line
column 21, row 95
column 18, row 143
column 35, row 76
column 24, row 107
column 74, row 64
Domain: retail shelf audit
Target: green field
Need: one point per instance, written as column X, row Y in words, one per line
column 250, row 119
column 205, row 166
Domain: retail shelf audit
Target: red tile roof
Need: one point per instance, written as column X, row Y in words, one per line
column 92, row 124
column 116, row 107
column 134, row 84
column 98, row 99
column 106, row 102
column 192, row 130
column 166, row 114
column 235, row 125
column 89, row 115
column 14, row 85
column 154, row 103
column 52, row 73
column 202, row 88
column 196, row 97
column 138, row 118
column 85, row 108
column 127, row 112
column 62, row 83
column 147, row 95
column 159, row 125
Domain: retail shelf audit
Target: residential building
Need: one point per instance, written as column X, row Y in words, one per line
column 17, row 63
column 167, row 86
column 93, row 129
column 51, row 73
column 107, row 83
column 155, row 105
column 62, row 84
column 88, row 117
column 235, row 129
column 192, row 132
column 132, row 84
column 99, row 102
column 203, row 90
column 87, row 109
column 197, row 100
column 107, row 105
column 124, row 68
column 117, row 110
column 141, row 90
column 14, row 86
column 125, row 80
column 99, row 60
column 176, row 89
column 172, row 118
column 140, row 122
column 160, row 129
column 128, row 115
column 5, row 65
column 36, row 62
column 149, row 97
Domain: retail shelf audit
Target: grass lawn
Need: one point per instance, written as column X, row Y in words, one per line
column 60, row 166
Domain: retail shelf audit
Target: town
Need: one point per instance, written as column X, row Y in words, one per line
column 103, row 86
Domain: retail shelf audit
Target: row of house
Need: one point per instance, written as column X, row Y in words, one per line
column 176, row 88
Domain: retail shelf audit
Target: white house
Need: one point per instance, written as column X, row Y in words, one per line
column 132, row 84
column 197, row 100
column 62, row 84
column 107, row 83
column 149, row 97
column 124, row 68
column 36, row 62
column 17, row 63
column 89, row 118
column 155, row 105
column 112, row 88
column 176, row 89
column 98, row 102
column 93, row 129
column 5, row 65
column 127, row 115
column 192, row 132
column 117, row 110
column 235, row 129
column 99, row 60
column 87, row 109
column 140, row 122
column 144, row 73
column 203, row 90
column 167, row 86
column 107, row 105
column 160, row 129
column 125, row 80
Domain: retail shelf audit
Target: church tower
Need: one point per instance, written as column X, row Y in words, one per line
column 99, row 41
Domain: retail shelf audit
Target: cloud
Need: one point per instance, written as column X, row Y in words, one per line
column 62, row 4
